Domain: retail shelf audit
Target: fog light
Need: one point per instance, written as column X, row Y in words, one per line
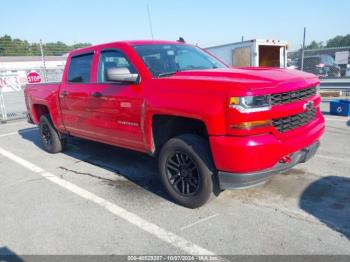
column 286, row 160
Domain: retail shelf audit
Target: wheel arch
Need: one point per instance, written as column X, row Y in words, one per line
column 165, row 127
column 39, row 110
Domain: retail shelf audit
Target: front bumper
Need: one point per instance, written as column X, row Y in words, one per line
column 253, row 153
column 230, row 180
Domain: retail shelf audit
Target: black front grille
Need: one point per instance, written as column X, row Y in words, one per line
column 289, row 97
column 291, row 122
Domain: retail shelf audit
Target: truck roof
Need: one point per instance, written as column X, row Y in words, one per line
column 129, row 42
column 151, row 42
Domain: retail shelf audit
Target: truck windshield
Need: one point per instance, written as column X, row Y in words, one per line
column 167, row 59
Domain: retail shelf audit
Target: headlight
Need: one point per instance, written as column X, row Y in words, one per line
column 318, row 89
column 251, row 103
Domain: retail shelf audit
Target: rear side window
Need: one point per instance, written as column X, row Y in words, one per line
column 80, row 68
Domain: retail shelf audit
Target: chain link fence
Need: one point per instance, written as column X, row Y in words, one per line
column 15, row 66
column 327, row 63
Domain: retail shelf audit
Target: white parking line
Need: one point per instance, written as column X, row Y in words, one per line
column 199, row 221
column 164, row 235
column 334, row 158
column 14, row 122
column 9, row 134
column 337, row 119
column 18, row 133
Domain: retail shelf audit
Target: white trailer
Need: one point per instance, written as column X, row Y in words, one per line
column 256, row 52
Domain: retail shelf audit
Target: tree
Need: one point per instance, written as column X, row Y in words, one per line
column 346, row 40
column 315, row 45
column 80, row 45
column 5, row 44
column 339, row 41
column 18, row 47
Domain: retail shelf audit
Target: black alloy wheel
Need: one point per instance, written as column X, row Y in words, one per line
column 45, row 134
column 52, row 140
column 187, row 171
column 183, row 174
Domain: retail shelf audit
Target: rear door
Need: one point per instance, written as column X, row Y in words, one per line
column 241, row 56
column 75, row 95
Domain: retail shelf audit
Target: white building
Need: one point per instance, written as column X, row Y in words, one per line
column 18, row 63
column 14, row 70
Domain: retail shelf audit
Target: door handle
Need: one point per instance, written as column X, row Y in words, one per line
column 97, row 94
column 63, row 94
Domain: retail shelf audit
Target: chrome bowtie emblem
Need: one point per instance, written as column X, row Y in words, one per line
column 309, row 105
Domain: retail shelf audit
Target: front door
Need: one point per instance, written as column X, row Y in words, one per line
column 115, row 108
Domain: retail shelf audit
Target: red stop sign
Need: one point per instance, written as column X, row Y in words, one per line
column 34, row 77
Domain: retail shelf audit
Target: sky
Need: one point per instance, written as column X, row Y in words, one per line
column 203, row 22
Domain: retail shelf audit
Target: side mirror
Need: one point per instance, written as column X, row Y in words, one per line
column 122, row 75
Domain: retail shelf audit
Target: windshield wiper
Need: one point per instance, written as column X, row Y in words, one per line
column 168, row 73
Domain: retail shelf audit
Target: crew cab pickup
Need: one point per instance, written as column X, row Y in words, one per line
column 212, row 127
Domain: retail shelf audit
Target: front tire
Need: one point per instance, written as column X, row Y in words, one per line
column 187, row 171
column 50, row 137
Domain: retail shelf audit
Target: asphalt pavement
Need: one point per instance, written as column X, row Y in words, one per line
column 98, row 199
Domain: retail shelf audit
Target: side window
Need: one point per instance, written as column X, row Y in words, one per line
column 112, row 59
column 80, row 68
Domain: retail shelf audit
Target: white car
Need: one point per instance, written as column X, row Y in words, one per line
column 347, row 72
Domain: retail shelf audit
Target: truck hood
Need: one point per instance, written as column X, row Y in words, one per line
column 251, row 77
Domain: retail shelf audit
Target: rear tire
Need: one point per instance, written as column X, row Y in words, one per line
column 50, row 137
column 187, row 171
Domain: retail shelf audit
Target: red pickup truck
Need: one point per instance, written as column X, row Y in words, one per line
column 212, row 127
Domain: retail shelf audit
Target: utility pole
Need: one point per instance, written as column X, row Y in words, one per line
column 150, row 21
column 302, row 50
column 43, row 59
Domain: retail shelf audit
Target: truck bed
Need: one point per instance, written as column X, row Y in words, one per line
column 41, row 94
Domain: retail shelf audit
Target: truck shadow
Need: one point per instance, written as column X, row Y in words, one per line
column 7, row 255
column 328, row 199
column 135, row 167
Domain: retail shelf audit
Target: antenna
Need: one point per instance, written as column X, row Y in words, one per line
column 181, row 40
column 150, row 21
